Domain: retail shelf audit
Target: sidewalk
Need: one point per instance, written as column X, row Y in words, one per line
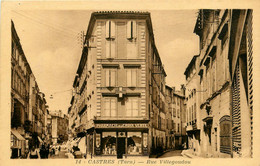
column 189, row 153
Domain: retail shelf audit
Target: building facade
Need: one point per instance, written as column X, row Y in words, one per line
column 59, row 127
column 118, row 100
column 28, row 104
column 176, row 118
column 222, row 126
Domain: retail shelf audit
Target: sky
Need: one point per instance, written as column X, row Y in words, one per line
column 51, row 42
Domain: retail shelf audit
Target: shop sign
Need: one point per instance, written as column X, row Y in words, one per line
column 118, row 125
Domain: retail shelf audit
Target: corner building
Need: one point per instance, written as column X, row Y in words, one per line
column 119, row 73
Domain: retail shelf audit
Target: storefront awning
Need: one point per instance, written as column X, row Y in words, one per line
column 40, row 139
column 17, row 135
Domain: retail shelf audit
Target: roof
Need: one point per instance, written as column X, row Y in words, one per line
column 190, row 64
column 120, row 15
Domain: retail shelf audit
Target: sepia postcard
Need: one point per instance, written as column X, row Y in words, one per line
column 129, row 82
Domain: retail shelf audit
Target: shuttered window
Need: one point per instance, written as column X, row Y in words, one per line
column 110, row 77
column 110, row 107
column 132, row 105
column 131, row 77
column 131, row 29
column 110, row 42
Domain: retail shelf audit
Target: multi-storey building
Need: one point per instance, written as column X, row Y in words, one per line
column 193, row 121
column 20, row 79
column 176, row 118
column 220, row 128
column 28, row 105
column 241, row 73
column 119, row 87
column 59, row 124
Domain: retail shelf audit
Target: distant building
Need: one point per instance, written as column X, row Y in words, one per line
column 59, row 124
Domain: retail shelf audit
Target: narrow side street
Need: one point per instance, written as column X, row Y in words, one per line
column 173, row 153
column 60, row 155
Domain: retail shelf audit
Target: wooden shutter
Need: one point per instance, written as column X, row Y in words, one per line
column 112, row 29
column 129, row 30
column 107, row 78
column 128, row 78
column 108, row 25
column 134, row 28
column 107, row 108
column 128, row 107
column 250, row 70
column 112, row 78
column 112, row 49
column 134, row 77
column 108, row 49
column 113, row 107
column 135, row 106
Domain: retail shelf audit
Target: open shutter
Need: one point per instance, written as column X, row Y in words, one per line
column 129, row 30
column 108, row 49
column 108, row 25
column 134, row 34
column 107, row 108
column 135, row 107
column 113, row 78
column 107, row 78
column 134, row 77
column 128, row 78
column 113, row 107
column 128, row 107
column 112, row 29
column 112, row 49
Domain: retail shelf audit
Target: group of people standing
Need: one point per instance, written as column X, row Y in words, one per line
column 42, row 153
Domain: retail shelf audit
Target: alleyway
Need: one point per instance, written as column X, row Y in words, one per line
column 174, row 153
column 61, row 155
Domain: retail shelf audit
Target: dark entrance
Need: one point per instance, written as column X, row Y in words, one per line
column 120, row 147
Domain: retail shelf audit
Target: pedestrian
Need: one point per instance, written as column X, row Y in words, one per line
column 42, row 151
column 47, row 147
column 33, row 153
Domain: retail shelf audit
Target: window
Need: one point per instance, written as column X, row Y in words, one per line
column 195, row 113
column 131, row 29
column 110, row 107
column 174, row 112
column 110, row 42
column 134, row 140
column 132, row 105
column 178, row 112
column 108, row 143
column 178, row 127
column 110, row 77
column 110, row 29
column 213, row 68
column 131, row 77
column 216, row 140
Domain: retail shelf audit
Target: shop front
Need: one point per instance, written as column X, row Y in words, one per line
column 121, row 140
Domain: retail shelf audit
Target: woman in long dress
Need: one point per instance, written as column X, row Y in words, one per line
column 33, row 154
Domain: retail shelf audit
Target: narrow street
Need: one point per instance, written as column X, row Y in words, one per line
column 61, row 155
column 174, row 153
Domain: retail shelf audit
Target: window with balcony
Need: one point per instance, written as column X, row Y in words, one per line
column 110, row 107
column 132, row 107
column 131, row 77
column 110, row 77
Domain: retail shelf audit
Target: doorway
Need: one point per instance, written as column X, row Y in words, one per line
column 120, row 147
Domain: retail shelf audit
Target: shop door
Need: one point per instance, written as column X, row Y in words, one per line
column 120, row 147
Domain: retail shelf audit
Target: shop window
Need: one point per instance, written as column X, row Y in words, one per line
column 134, row 140
column 108, row 143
